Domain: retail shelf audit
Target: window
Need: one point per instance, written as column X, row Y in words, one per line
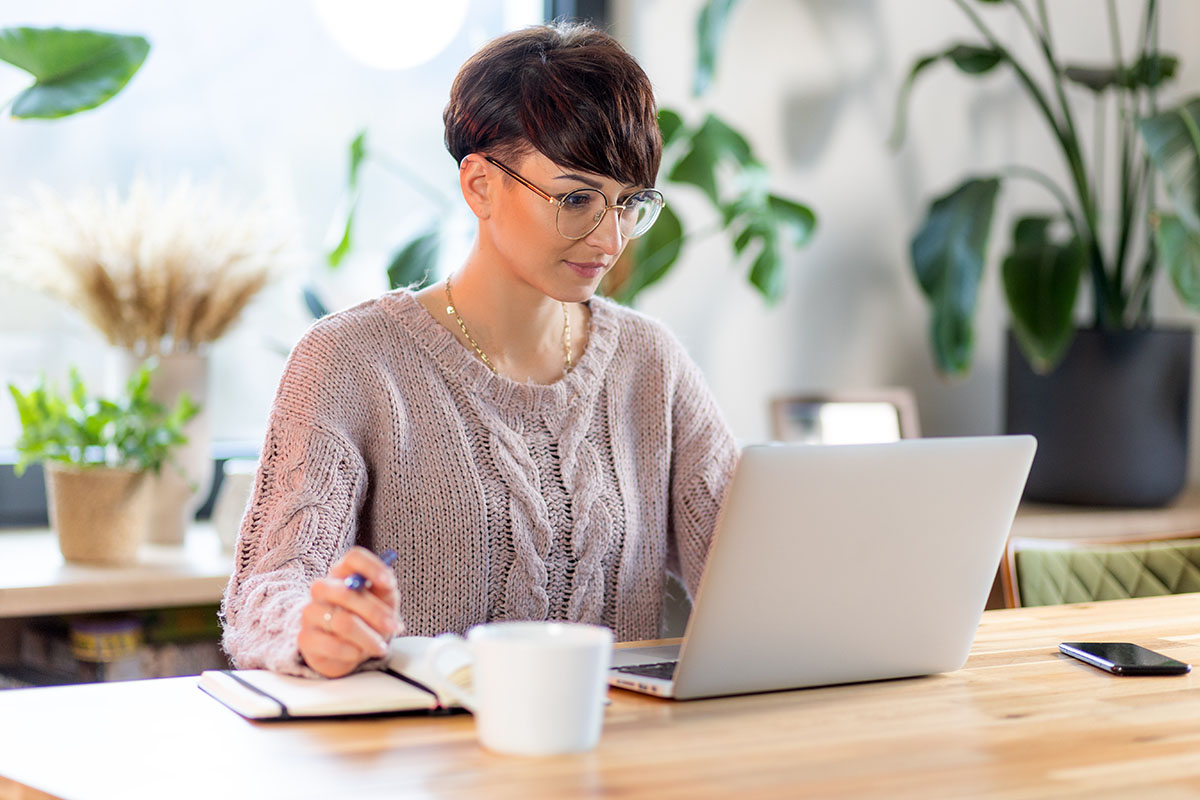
column 263, row 97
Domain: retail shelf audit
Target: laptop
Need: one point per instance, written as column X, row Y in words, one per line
column 842, row 563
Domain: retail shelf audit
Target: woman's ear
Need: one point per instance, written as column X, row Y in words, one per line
column 473, row 179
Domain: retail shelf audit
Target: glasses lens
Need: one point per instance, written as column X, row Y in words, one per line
column 583, row 209
column 580, row 213
column 640, row 212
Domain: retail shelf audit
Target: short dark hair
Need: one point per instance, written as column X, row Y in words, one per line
column 569, row 91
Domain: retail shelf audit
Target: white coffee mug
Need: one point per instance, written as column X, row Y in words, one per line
column 537, row 688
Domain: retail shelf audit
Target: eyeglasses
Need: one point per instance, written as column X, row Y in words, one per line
column 581, row 211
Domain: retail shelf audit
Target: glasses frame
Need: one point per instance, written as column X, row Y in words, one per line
column 561, row 202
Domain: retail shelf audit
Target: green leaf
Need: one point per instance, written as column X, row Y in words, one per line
column 1173, row 141
column 358, row 153
column 766, row 218
column 670, row 123
column 655, row 254
column 766, row 271
column 344, row 224
column 73, row 70
column 1150, row 71
column 78, row 392
column 799, row 220
column 1097, row 79
column 413, row 265
column 948, row 256
column 726, row 141
column 710, row 29
column 1179, row 249
column 743, row 239
column 1041, row 281
column 901, row 122
column 25, row 406
column 971, row 59
column 314, row 304
column 711, row 145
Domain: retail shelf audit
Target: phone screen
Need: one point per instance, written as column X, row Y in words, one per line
column 1124, row 658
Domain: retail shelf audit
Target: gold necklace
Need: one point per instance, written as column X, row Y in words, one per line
column 452, row 311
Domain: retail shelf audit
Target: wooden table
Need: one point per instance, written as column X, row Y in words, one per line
column 1020, row 721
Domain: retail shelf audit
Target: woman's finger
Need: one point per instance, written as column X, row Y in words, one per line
column 380, row 580
column 345, row 625
column 362, row 561
column 369, row 607
column 329, row 654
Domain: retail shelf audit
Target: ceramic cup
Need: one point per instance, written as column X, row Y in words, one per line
column 537, row 688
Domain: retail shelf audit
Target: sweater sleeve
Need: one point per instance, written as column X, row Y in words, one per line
column 703, row 456
column 302, row 516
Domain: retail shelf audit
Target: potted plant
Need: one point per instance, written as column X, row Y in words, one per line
column 162, row 274
column 1108, row 402
column 99, row 455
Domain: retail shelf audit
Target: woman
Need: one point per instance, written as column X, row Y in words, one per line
column 529, row 450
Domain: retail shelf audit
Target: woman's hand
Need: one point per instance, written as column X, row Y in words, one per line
column 341, row 628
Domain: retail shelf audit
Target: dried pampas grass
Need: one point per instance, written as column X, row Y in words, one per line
column 156, row 273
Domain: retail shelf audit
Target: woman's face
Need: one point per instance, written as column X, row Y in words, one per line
column 527, row 239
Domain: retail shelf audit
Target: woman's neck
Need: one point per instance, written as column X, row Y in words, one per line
column 518, row 327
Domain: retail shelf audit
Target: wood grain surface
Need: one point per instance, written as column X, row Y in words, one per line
column 1020, row 721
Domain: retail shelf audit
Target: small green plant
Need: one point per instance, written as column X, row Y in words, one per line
column 131, row 432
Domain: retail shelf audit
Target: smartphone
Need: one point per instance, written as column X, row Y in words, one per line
column 1124, row 658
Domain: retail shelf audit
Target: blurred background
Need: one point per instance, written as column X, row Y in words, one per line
column 264, row 98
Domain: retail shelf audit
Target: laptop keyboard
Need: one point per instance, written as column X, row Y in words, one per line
column 661, row 669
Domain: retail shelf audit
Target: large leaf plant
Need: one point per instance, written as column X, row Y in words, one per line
column 1117, row 244
column 1052, row 252
column 73, row 70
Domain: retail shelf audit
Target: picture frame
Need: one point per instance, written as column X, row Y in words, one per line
column 845, row 417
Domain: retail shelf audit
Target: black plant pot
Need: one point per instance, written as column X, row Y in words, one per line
column 1111, row 420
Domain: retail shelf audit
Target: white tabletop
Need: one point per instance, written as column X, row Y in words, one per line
column 34, row 579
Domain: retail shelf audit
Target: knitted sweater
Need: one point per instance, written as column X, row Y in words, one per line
column 505, row 500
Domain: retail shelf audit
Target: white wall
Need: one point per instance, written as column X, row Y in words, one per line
column 813, row 84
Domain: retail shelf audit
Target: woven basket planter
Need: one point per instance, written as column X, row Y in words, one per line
column 100, row 513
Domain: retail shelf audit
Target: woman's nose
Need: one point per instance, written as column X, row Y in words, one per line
column 607, row 235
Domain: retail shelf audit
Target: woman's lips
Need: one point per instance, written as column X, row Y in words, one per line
column 587, row 269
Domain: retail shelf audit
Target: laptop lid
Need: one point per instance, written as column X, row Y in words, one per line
column 845, row 563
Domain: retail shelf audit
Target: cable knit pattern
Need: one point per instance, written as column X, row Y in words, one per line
column 505, row 500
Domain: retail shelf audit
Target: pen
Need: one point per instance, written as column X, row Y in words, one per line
column 358, row 582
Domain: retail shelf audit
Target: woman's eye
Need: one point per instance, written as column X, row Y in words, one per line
column 577, row 201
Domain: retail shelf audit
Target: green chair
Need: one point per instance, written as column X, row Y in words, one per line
column 1042, row 572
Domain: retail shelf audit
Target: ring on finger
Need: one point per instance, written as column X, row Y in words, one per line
column 327, row 617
